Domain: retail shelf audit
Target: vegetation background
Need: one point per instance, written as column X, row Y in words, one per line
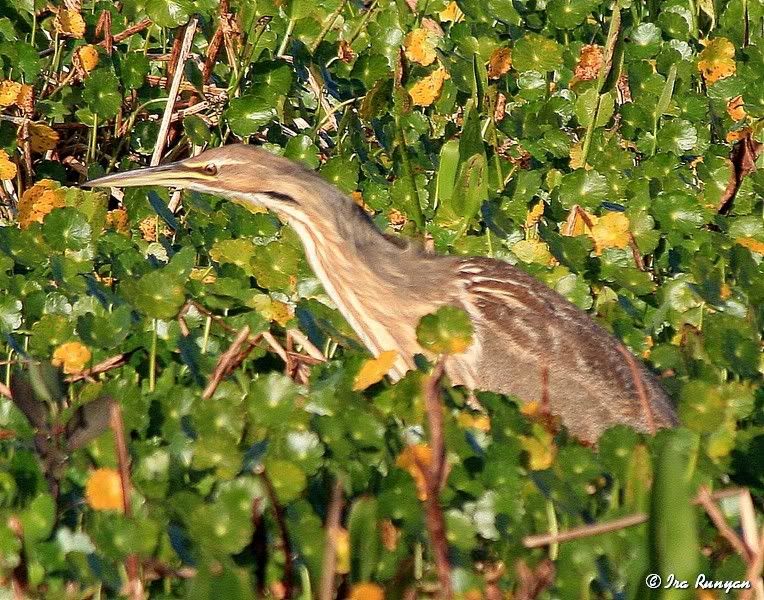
column 607, row 148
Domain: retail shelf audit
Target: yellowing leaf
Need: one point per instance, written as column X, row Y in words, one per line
column 479, row 422
column 41, row 137
column 427, row 90
column 25, row 98
column 752, row 244
column 38, row 201
column 88, row 57
column 413, row 459
column 499, row 63
column 534, row 215
column 366, row 591
column 717, row 60
column 203, row 274
column 735, row 109
column 103, row 491
column 117, row 220
column 280, row 312
column 540, row 448
column 452, row 13
column 533, row 251
column 374, row 369
column 419, row 46
column 611, row 230
column 69, row 23
column 343, row 551
column 7, row 167
column 72, row 356
column 589, row 62
column 9, row 92
column 736, row 136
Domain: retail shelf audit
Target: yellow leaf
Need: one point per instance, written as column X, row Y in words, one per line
column 366, row 591
column 452, row 13
column 103, row 491
column 735, row 109
column 541, row 450
column 534, row 215
column 9, row 92
column 38, row 201
column 203, row 274
column 117, row 220
column 589, row 62
column 611, row 230
column 72, row 356
column 88, row 56
column 69, row 23
column 717, row 60
column 280, row 312
column 499, row 63
column 427, row 90
column 7, row 167
column 533, row 251
column 343, row 551
column 374, row 369
column 25, row 98
column 419, row 46
column 577, row 156
column 736, row 136
column 41, row 137
column 479, row 422
column 752, row 244
column 413, row 459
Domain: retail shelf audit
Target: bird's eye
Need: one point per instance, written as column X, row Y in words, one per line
column 210, row 169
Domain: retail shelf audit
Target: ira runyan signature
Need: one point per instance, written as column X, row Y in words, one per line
column 702, row 583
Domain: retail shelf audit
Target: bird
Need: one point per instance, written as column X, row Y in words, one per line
column 528, row 341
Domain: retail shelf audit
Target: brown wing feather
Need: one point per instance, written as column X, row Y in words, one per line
column 538, row 346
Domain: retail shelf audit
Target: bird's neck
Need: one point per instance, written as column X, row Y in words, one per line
column 381, row 285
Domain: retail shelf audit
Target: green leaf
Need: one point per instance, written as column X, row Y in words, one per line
column 246, row 115
column 365, row 543
column 585, row 188
column 567, row 14
column 169, row 13
column 446, row 331
column 534, row 52
column 101, row 92
column 10, row 313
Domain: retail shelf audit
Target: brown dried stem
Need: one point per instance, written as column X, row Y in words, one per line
column 228, row 361
column 126, row 33
column 436, row 523
column 132, row 564
column 278, row 513
column 332, row 527
column 717, row 518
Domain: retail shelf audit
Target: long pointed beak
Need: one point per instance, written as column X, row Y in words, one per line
column 172, row 175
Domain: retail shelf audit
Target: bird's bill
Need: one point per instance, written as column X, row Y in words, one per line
column 171, row 175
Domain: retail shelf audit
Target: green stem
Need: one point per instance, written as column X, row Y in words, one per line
column 153, row 358
column 328, row 24
column 206, row 338
column 364, row 21
column 590, row 132
column 287, row 35
column 408, row 173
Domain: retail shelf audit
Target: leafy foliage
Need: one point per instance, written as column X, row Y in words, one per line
column 607, row 150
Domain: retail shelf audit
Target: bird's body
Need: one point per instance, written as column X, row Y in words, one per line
column 529, row 341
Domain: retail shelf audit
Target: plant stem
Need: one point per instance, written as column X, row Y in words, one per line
column 328, row 24
column 287, row 35
column 153, row 357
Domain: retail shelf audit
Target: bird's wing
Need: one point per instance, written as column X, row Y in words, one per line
column 537, row 345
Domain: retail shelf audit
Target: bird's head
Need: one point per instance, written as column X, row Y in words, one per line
column 239, row 172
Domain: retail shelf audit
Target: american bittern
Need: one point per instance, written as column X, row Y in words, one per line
column 528, row 340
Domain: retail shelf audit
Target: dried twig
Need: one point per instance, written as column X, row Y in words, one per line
column 753, row 573
column 132, row 564
column 174, row 89
column 104, row 27
column 126, row 33
column 547, row 539
column 227, row 362
column 717, row 518
column 332, row 527
column 105, row 365
column 743, row 157
column 433, row 475
column 531, row 582
column 278, row 513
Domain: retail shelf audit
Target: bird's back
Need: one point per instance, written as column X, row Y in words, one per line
column 536, row 345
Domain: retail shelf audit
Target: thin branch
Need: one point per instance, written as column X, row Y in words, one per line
column 715, row 514
column 188, row 37
column 126, row 33
column 108, row 364
column 753, row 573
column 278, row 513
column 226, row 363
column 436, row 523
column 332, row 527
column 132, row 564
column 547, row 539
